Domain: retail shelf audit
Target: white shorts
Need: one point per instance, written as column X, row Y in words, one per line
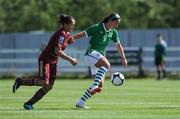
column 91, row 59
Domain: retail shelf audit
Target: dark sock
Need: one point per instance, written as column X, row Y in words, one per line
column 30, row 82
column 37, row 96
column 164, row 73
column 158, row 74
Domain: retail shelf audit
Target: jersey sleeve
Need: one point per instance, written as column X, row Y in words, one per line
column 115, row 36
column 61, row 41
column 89, row 31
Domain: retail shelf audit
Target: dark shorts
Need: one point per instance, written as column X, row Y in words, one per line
column 159, row 60
column 47, row 71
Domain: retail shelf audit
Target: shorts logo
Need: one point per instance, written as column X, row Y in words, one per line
column 97, row 55
column 61, row 39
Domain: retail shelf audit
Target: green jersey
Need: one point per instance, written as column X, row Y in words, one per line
column 100, row 37
column 159, row 50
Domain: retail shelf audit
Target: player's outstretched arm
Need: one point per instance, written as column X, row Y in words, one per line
column 77, row 36
column 63, row 55
column 121, row 53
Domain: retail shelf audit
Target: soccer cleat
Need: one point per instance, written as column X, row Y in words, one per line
column 95, row 89
column 28, row 107
column 17, row 84
column 81, row 105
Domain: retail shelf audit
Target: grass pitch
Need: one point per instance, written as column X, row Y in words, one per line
column 136, row 99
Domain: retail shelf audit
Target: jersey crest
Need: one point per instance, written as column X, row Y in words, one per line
column 61, row 39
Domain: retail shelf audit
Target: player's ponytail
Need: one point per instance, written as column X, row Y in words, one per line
column 112, row 16
column 65, row 19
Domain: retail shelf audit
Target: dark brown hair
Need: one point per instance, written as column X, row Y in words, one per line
column 65, row 19
column 111, row 16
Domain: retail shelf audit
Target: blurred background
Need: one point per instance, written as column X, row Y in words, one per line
column 27, row 25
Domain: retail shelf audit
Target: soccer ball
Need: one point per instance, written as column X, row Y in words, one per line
column 117, row 79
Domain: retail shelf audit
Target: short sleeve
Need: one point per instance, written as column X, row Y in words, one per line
column 89, row 31
column 115, row 36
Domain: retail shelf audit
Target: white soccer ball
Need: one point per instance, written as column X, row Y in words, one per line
column 117, row 79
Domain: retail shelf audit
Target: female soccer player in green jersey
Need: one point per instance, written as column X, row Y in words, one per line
column 100, row 35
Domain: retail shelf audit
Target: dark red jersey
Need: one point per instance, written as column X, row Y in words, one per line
column 58, row 38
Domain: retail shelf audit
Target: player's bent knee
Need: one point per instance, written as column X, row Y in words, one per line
column 48, row 87
column 108, row 65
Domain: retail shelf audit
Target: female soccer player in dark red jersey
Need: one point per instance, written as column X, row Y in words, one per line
column 48, row 61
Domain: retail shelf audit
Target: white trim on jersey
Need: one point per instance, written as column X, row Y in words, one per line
column 105, row 28
column 86, row 33
column 117, row 42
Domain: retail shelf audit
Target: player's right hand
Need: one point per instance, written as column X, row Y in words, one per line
column 70, row 40
column 74, row 61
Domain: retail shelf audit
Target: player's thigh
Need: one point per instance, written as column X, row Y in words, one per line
column 92, row 58
column 97, row 59
column 103, row 62
column 44, row 71
column 53, row 72
column 158, row 61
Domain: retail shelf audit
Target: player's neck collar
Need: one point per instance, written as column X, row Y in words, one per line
column 105, row 28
